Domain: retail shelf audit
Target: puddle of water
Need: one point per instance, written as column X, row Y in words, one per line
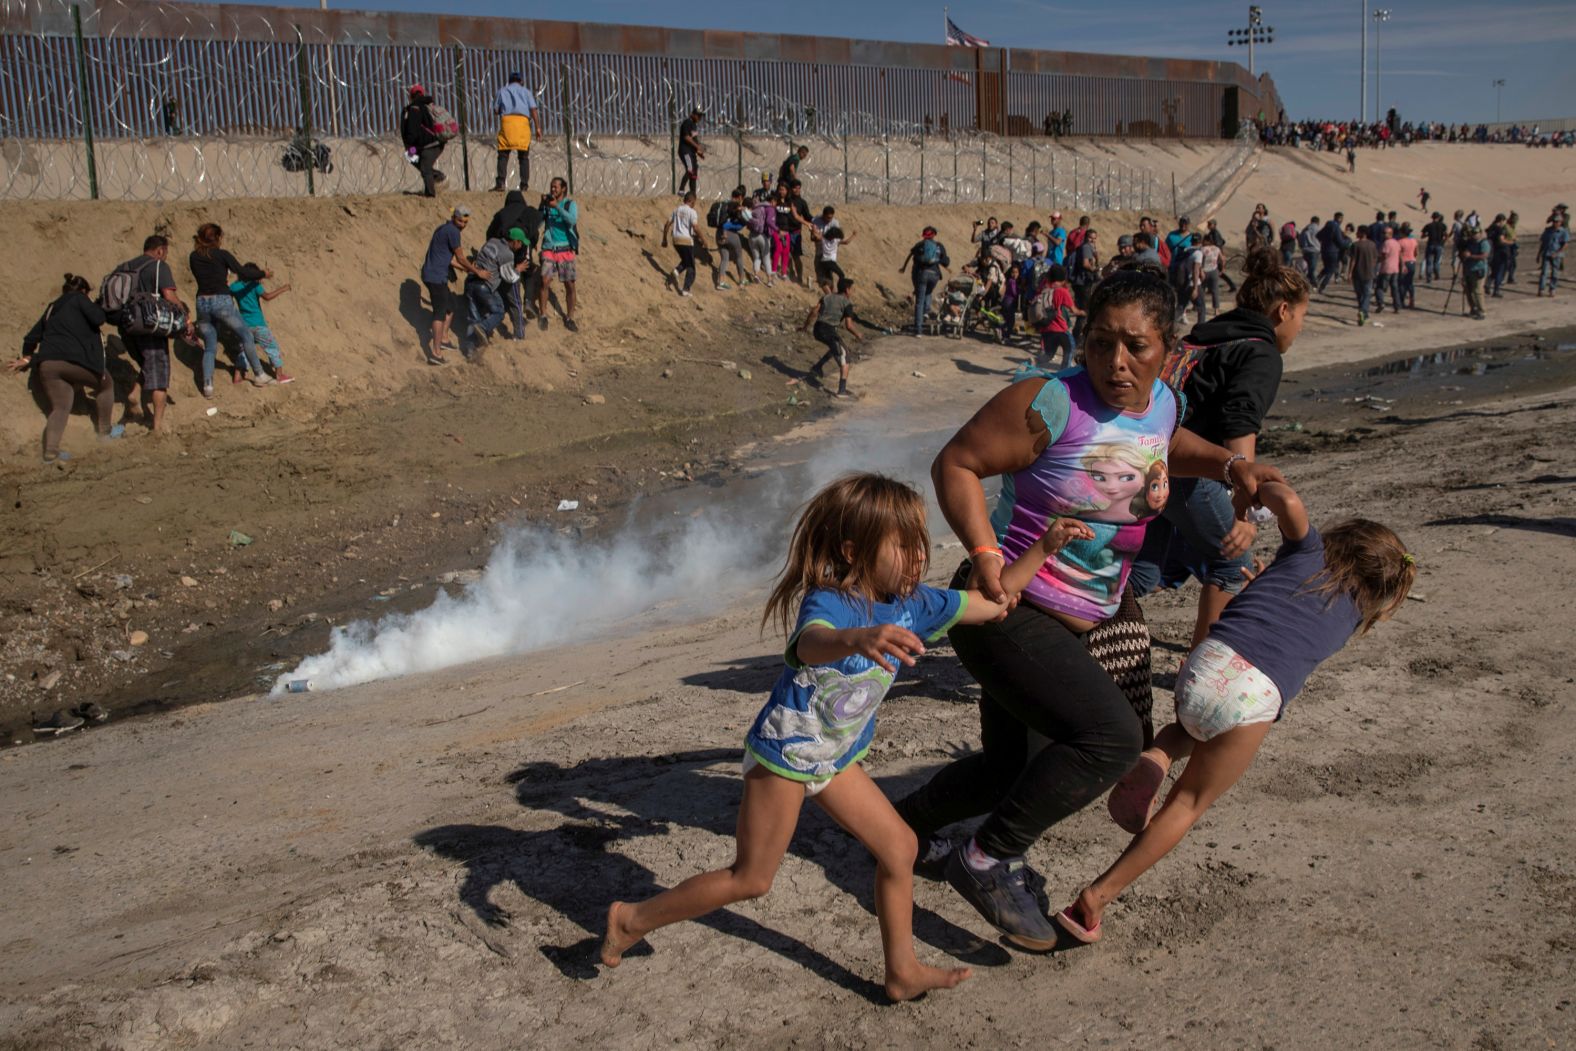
column 1426, row 385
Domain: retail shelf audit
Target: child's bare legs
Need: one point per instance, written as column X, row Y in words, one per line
column 1216, row 765
column 1133, row 798
column 858, row 805
column 767, row 817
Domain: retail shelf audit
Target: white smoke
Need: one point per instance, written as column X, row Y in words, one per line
column 541, row 589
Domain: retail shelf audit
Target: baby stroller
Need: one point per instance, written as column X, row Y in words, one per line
column 954, row 306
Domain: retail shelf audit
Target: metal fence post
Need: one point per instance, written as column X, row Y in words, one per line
column 886, row 191
column 309, row 159
column 1034, row 178
column 460, row 90
column 1053, row 180
column 1075, row 183
column 673, row 156
column 984, row 180
column 569, row 134
column 954, row 169
column 921, row 165
column 1174, row 211
column 82, row 102
column 1009, row 171
column 845, row 156
column 738, row 140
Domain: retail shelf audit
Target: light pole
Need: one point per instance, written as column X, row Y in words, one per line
column 1256, row 33
column 1499, row 93
column 1362, row 87
column 1381, row 16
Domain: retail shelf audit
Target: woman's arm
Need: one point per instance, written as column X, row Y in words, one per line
column 1018, row 575
column 1192, row 457
column 93, row 313
column 1005, row 435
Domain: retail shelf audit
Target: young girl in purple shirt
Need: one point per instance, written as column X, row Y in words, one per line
column 1319, row 592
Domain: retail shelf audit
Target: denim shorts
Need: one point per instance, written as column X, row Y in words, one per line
column 1185, row 540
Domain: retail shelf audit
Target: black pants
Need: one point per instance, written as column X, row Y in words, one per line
column 835, row 351
column 1038, row 675
column 427, row 165
column 1332, row 265
column 503, row 167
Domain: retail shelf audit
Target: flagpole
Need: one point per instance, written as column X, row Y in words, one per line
column 946, row 24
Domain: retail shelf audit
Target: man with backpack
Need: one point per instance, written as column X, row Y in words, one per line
column 929, row 258
column 1288, row 243
column 425, row 127
column 124, row 296
column 1308, row 247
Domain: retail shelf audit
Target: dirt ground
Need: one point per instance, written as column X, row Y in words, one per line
column 425, row 861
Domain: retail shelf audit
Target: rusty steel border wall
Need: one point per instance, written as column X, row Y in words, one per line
column 210, row 59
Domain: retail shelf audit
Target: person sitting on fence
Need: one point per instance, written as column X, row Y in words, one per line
column 424, row 136
column 560, row 246
column 65, row 354
column 690, row 149
column 789, row 171
column 249, row 299
column 517, row 126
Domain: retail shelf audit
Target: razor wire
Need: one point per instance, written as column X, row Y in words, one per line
column 179, row 111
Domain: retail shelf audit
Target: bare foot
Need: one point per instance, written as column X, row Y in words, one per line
column 618, row 937
column 923, row 979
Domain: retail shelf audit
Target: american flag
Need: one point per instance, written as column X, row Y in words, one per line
column 958, row 38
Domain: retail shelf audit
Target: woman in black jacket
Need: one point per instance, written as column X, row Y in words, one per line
column 421, row 144
column 66, row 354
column 1229, row 368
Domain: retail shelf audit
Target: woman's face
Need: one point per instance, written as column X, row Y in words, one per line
column 1123, row 353
column 1288, row 324
column 1116, row 481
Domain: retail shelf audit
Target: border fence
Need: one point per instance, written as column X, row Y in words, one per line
column 141, row 100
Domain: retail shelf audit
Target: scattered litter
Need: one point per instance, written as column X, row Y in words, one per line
column 596, row 399
column 138, row 638
column 300, row 686
column 791, row 383
column 744, row 374
column 213, row 410
column 728, row 364
column 793, row 399
column 1417, row 596
column 144, row 500
column 275, row 605
column 557, row 689
column 123, row 655
column 48, row 682
column 569, row 505
column 122, row 581
column 188, row 582
column 239, row 539
column 919, row 375
column 379, row 598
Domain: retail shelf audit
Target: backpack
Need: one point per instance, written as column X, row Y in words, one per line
column 714, row 215
column 119, row 287
column 1289, row 232
column 929, row 252
column 146, row 314
column 1001, row 255
column 443, row 127
column 1038, row 312
column 758, row 216
column 1180, row 364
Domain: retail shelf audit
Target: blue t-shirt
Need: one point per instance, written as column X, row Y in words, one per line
column 440, row 254
column 821, row 718
column 516, row 99
column 249, row 297
column 558, row 226
column 1280, row 626
column 1057, row 252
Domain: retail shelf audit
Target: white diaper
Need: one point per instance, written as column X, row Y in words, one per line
column 1218, row 690
column 811, row 788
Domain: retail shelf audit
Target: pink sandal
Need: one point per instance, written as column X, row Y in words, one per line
column 1136, row 796
column 1070, row 924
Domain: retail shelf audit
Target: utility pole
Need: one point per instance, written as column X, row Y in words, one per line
column 1256, row 33
column 1381, row 16
column 1362, row 102
column 1499, row 93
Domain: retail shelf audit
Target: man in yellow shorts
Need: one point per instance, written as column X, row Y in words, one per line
column 517, row 126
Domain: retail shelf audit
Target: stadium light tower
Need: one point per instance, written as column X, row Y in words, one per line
column 1499, row 92
column 1256, row 33
column 1381, row 16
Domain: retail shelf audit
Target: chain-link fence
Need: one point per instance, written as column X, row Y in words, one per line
column 181, row 103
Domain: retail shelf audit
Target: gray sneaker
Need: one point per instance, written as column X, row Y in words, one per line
column 1003, row 897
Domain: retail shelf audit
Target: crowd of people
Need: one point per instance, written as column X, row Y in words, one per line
column 1336, row 136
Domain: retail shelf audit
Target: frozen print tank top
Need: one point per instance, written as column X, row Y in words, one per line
column 1105, row 467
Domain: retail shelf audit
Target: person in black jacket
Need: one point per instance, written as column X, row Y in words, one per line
column 415, row 129
column 66, row 354
column 1229, row 369
column 516, row 213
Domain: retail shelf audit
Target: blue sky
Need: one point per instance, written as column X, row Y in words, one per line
column 1438, row 58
